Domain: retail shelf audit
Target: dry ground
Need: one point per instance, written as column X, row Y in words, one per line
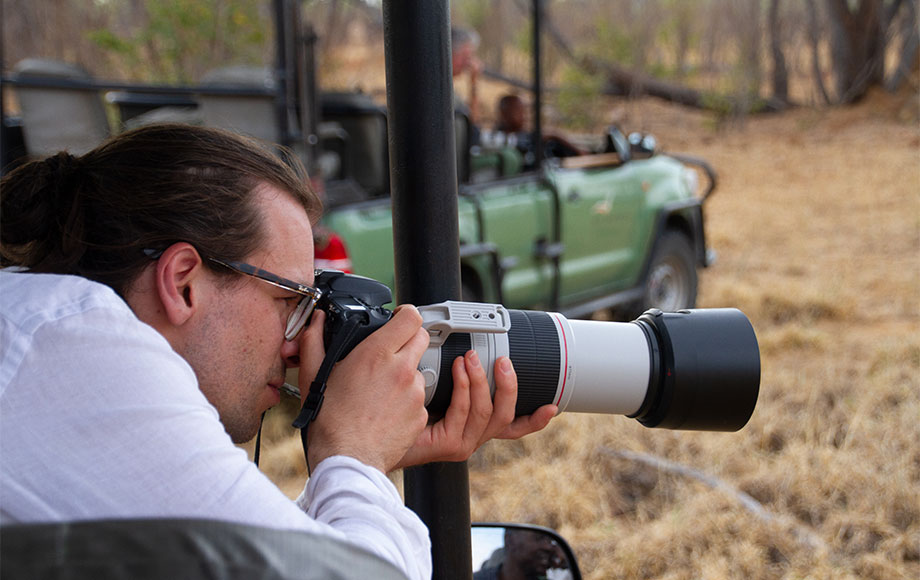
column 817, row 225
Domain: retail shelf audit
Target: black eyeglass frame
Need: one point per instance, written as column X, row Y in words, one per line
column 305, row 307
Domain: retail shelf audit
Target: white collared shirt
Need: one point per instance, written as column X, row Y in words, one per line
column 100, row 418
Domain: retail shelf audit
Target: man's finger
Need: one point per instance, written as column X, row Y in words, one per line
column 529, row 423
column 312, row 350
column 400, row 331
column 457, row 412
column 504, row 399
column 481, row 409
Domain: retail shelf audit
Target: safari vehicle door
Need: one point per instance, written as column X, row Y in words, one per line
column 514, row 218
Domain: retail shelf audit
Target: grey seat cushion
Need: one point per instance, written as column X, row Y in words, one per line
column 175, row 549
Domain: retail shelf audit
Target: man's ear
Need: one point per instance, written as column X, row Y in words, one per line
column 178, row 282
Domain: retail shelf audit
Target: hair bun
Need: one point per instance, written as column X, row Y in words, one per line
column 41, row 213
column 62, row 171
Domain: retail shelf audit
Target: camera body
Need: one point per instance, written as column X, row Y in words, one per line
column 349, row 298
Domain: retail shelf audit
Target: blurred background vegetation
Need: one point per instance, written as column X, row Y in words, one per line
column 162, row 41
column 816, row 221
column 730, row 56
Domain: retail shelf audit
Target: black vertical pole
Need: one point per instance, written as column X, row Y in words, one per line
column 309, row 107
column 423, row 184
column 537, row 82
column 4, row 148
column 282, row 68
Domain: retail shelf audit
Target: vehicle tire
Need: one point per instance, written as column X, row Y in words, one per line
column 671, row 283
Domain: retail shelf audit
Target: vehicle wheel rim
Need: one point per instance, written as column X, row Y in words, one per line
column 667, row 289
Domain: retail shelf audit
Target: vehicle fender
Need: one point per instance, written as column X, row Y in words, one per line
column 685, row 216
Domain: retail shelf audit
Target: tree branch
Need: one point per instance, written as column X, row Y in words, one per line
column 753, row 506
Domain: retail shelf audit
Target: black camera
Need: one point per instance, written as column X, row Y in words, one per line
column 694, row 369
column 351, row 301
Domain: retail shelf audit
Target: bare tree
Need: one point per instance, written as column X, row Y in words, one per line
column 747, row 19
column 860, row 33
column 626, row 80
column 857, row 46
column 684, row 33
column 49, row 30
column 780, row 75
column 910, row 42
column 814, row 34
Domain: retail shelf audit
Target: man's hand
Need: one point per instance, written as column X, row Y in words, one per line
column 473, row 417
column 374, row 403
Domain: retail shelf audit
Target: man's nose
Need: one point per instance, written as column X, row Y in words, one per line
column 290, row 352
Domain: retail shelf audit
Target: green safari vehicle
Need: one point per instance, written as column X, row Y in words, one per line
column 619, row 229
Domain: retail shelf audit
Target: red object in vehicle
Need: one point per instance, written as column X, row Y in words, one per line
column 329, row 251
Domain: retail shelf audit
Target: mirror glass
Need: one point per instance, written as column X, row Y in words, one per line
column 518, row 552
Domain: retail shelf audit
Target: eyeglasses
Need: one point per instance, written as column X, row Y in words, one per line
column 301, row 314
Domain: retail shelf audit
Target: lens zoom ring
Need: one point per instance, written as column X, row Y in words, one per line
column 534, row 346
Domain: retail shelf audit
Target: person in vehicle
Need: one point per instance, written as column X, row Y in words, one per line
column 512, row 114
column 511, row 125
column 464, row 43
column 154, row 292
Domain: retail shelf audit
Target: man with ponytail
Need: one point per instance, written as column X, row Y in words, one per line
column 152, row 297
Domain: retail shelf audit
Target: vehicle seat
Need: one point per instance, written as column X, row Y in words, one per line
column 56, row 119
column 364, row 152
column 463, row 139
column 489, row 164
column 177, row 548
column 251, row 114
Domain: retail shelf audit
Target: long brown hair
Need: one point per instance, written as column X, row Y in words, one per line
column 96, row 215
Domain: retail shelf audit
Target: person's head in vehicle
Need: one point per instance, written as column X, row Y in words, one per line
column 511, row 114
column 464, row 43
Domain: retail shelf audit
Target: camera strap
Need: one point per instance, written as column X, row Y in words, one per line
column 314, row 401
column 258, row 448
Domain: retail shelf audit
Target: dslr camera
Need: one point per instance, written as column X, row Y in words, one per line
column 693, row 369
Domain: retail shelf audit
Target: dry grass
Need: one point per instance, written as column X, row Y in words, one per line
column 817, row 225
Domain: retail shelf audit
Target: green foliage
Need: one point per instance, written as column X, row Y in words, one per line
column 111, row 42
column 523, row 45
column 475, row 13
column 180, row 39
column 580, row 99
column 613, row 44
column 678, row 31
column 523, row 41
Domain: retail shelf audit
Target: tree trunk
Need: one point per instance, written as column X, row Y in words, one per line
column 857, row 47
column 780, row 75
column 910, row 44
column 750, row 47
column 814, row 33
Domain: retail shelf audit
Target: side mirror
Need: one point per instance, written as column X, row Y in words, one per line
column 521, row 551
column 616, row 142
